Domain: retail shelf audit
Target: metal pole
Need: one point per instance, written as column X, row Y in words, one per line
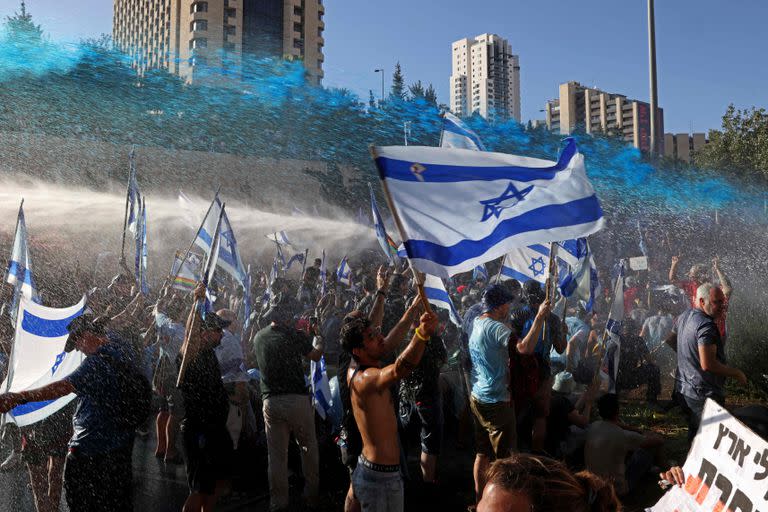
column 652, row 73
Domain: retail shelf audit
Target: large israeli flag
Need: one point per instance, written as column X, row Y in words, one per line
column 38, row 357
column 438, row 296
column 610, row 364
column 229, row 255
column 19, row 271
column 456, row 134
column 321, row 389
column 461, row 208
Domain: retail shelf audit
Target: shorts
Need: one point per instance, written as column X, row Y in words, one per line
column 495, row 429
column 208, row 456
column 378, row 491
column 48, row 438
column 431, row 415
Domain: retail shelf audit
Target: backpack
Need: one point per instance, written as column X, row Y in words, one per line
column 135, row 403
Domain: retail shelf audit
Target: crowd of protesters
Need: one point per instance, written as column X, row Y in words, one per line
column 220, row 389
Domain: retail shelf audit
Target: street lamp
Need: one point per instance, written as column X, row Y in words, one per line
column 381, row 70
column 652, row 74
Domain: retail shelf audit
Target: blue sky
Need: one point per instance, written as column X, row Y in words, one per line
column 710, row 52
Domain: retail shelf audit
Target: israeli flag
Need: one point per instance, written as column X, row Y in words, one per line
column 381, row 232
column 19, row 272
column 438, row 296
column 461, row 208
column 142, row 253
column 344, row 273
column 578, row 272
column 321, row 388
column 272, row 276
column 610, row 365
column 38, row 357
column 247, row 301
column 134, row 198
column 480, row 273
column 280, row 238
column 456, row 134
column 526, row 263
column 229, row 255
column 298, row 257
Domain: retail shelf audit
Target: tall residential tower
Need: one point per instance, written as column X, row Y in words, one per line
column 198, row 39
column 485, row 78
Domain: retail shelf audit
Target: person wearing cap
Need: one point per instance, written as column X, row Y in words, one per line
column 206, row 441
column 279, row 350
column 534, row 408
column 490, row 400
column 98, row 469
column 564, row 413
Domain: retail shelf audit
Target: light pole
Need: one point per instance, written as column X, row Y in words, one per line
column 381, row 70
column 652, row 73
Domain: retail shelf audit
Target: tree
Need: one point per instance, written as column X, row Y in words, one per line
column 417, row 90
column 741, row 146
column 20, row 28
column 398, row 83
column 430, row 95
column 371, row 99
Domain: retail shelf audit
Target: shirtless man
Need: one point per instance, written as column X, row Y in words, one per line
column 376, row 481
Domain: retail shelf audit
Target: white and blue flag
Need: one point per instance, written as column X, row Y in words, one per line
column 323, row 275
column 19, row 272
column 229, row 255
column 344, row 272
column 298, row 257
column 380, row 230
column 610, row 365
column 438, row 296
column 456, row 134
column 461, row 208
column 38, row 357
column 526, row 263
column 321, row 388
column 273, row 273
column 247, row 301
column 280, row 238
column 578, row 272
column 142, row 252
column 480, row 273
column 134, row 198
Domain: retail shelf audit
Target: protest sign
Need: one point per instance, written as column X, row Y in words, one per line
column 726, row 469
column 638, row 263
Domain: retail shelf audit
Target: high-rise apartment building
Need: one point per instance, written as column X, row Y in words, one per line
column 682, row 145
column 598, row 111
column 485, row 78
column 218, row 38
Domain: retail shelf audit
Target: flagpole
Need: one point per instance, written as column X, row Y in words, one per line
column 131, row 171
column 548, row 285
column 186, row 359
column 501, row 267
column 399, row 225
column 12, row 352
column 191, row 245
column 442, row 124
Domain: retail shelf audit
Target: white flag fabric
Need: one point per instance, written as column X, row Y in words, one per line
column 38, row 357
column 461, row 208
column 344, row 272
column 456, row 134
column 438, row 296
column 610, row 365
column 229, row 255
column 578, row 272
column 526, row 263
column 19, row 272
column 186, row 275
column 321, row 388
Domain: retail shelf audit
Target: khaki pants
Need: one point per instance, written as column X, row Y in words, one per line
column 283, row 415
column 495, row 428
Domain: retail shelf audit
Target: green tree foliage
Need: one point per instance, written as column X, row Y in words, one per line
column 398, row 84
column 741, row 147
column 430, row 95
column 20, row 29
column 416, row 90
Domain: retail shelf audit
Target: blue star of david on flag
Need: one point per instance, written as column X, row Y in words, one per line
column 537, row 266
column 511, row 196
column 57, row 363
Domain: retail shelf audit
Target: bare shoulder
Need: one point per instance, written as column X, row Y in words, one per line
column 365, row 381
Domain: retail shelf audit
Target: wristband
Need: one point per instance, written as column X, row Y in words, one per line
column 420, row 335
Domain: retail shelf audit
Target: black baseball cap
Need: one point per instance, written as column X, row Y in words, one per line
column 82, row 324
column 494, row 296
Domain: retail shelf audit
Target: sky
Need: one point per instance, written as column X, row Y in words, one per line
column 710, row 52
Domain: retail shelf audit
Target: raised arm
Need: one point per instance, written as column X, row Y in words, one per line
column 376, row 316
column 51, row 391
column 394, row 337
column 673, row 269
column 528, row 344
column 406, row 362
column 725, row 283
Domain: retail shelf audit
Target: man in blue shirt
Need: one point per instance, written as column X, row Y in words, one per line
column 98, row 471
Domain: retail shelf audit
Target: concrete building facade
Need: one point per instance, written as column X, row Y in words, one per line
column 682, row 145
column 485, row 78
column 598, row 111
column 201, row 40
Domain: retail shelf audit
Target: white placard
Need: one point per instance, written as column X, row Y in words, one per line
column 639, row 263
column 726, row 469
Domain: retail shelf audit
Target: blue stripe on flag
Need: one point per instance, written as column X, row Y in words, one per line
column 452, row 127
column 514, row 274
column 225, row 255
column 45, row 328
column 580, row 211
column 15, row 269
column 443, row 173
column 21, row 410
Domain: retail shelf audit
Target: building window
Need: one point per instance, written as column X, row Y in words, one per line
column 230, row 12
column 230, row 30
column 198, row 26
column 198, row 60
column 198, row 42
column 198, row 7
column 297, row 27
column 297, row 11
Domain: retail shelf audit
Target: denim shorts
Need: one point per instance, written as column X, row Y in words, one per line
column 378, row 491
